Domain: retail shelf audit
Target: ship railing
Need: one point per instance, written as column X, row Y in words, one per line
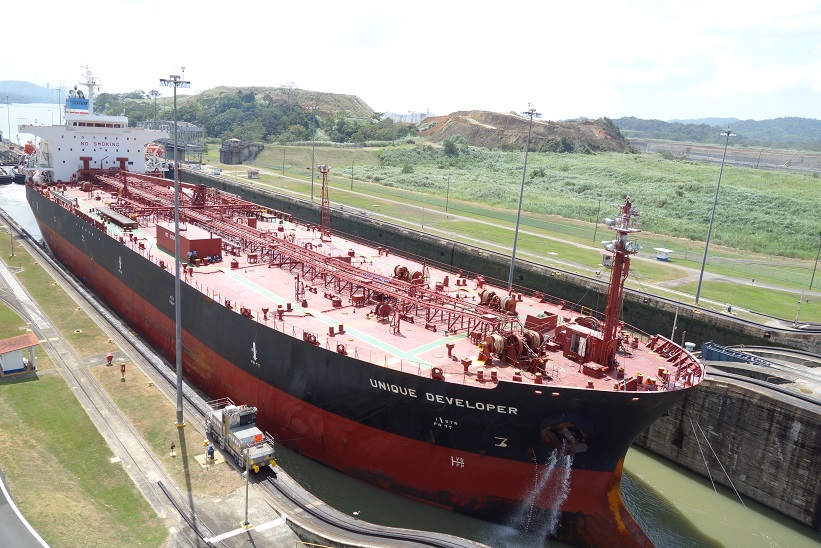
column 369, row 355
column 219, row 403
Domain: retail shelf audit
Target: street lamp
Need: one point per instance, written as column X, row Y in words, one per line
column 728, row 134
column 176, row 82
column 530, row 112
column 816, row 261
column 8, row 116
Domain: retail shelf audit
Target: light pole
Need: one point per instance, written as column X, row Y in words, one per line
column 596, row 229
column 726, row 133
column 8, row 116
column 246, row 523
column 816, row 261
column 447, row 195
column 314, row 108
column 530, row 112
column 176, row 82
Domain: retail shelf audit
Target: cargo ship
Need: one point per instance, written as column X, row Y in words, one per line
column 439, row 384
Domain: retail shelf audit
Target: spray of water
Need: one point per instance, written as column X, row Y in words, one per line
column 551, row 483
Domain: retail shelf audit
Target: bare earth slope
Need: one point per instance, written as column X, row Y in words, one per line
column 498, row 130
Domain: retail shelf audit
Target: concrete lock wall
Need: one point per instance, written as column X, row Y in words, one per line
column 770, row 446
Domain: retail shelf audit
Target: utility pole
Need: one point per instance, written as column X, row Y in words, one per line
column 596, row 229
column 816, row 262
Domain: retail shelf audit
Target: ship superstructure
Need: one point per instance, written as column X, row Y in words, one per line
column 87, row 140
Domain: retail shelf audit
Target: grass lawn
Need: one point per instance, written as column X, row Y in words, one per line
column 11, row 324
column 154, row 417
column 79, row 330
column 781, row 304
column 55, row 461
column 58, row 470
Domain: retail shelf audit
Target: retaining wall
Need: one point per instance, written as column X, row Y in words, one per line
column 769, row 444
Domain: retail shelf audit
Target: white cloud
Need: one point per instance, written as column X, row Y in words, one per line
column 674, row 59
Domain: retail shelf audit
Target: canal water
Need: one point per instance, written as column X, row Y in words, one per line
column 675, row 507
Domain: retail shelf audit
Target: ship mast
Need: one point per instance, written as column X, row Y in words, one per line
column 90, row 84
column 626, row 224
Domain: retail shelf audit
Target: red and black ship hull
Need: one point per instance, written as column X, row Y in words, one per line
column 472, row 449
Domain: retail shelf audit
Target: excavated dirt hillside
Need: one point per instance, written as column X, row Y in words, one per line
column 509, row 131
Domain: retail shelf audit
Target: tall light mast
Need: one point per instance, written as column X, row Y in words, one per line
column 176, row 82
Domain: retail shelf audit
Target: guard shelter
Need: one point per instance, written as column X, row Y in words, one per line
column 17, row 354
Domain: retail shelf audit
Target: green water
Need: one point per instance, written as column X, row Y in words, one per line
column 679, row 508
column 675, row 507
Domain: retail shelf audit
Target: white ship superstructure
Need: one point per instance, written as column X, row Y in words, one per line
column 87, row 141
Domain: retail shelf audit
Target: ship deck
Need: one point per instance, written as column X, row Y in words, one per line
column 374, row 303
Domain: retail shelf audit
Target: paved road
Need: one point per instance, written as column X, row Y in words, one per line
column 16, row 531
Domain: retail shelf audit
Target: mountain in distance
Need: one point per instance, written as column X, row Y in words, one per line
column 787, row 132
column 722, row 122
column 26, row 92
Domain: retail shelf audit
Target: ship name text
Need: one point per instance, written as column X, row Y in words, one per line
column 447, row 400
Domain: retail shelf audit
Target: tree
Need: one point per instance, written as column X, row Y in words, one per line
column 450, row 147
column 295, row 132
column 250, row 130
column 154, row 93
column 289, row 92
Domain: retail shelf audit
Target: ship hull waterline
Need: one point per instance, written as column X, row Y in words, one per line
column 374, row 423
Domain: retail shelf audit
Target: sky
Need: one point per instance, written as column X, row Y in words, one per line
column 678, row 59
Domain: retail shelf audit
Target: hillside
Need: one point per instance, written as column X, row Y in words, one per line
column 509, row 132
column 328, row 104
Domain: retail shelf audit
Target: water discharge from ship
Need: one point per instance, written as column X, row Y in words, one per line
column 551, row 483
